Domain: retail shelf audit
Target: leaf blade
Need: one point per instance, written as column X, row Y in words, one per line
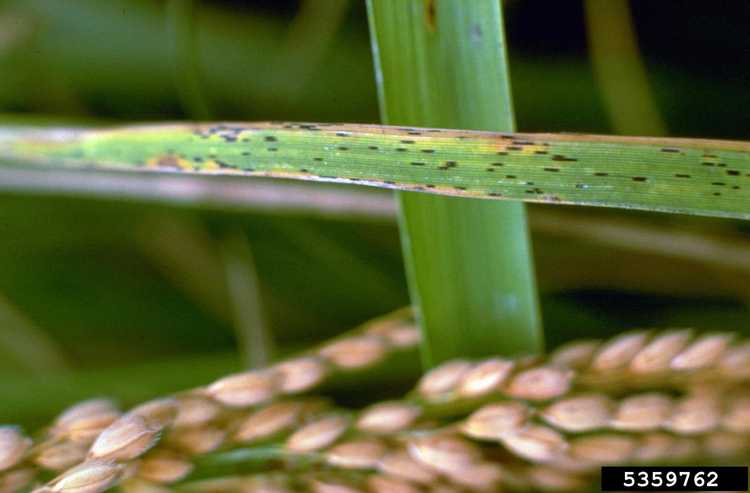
column 594, row 170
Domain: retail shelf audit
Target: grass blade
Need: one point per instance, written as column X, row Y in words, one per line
column 269, row 196
column 468, row 262
column 25, row 347
column 254, row 337
column 619, row 68
column 180, row 15
column 690, row 176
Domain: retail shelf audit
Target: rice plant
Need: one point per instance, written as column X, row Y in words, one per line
column 216, row 261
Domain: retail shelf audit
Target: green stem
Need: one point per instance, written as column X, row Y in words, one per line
column 468, row 262
column 181, row 27
column 254, row 337
column 619, row 69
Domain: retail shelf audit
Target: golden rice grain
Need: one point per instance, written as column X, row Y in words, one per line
column 300, row 374
column 59, row 456
column 442, row 452
column 735, row 362
column 399, row 333
column 83, row 422
column 619, row 351
column 653, row 447
column 355, row 352
column 643, row 412
column 318, row 434
column 242, row 484
column 125, row 439
column 695, row 415
column 13, row 446
column 362, row 453
column 536, row 443
column 383, row 483
column 540, row 383
column 737, row 417
column 575, row 355
column 485, row 377
column 195, row 411
column 443, row 378
column 16, row 479
column 89, row 477
column 268, row 421
column 703, row 352
column 400, row 464
column 569, row 464
column 480, row 477
column 331, row 486
column 548, row 478
column 658, row 353
column 164, row 466
column 493, row 421
column 196, row 441
column 603, row 449
column 245, row 389
column 388, row 417
column 159, row 413
column 579, row 413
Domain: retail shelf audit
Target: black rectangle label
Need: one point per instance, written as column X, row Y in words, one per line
column 678, row 478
